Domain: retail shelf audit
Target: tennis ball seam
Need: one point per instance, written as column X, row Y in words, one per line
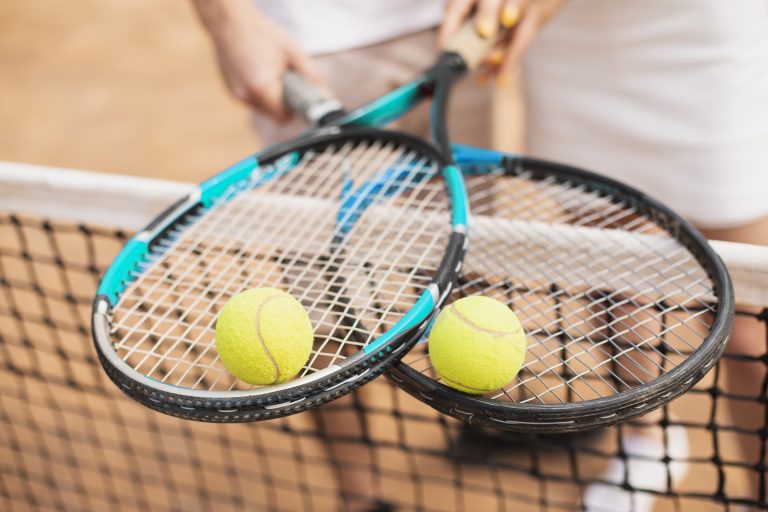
column 473, row 325
column 459, row 383
column 257, row 325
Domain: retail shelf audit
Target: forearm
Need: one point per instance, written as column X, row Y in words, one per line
column 223, row 17
column 253, row 53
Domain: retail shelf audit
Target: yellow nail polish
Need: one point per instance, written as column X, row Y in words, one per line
column 495, row 58
column 502, row 80
column 509, row 16
column 486, row 29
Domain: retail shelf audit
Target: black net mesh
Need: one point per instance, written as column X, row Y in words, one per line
column 69, row 440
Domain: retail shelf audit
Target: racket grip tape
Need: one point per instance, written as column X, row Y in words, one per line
column 308, row 100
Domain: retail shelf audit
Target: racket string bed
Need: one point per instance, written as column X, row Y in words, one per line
column 610, row 299
column 280, row 234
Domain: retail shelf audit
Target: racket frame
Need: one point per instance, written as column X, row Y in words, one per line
column 604, row 411
column 322, row 385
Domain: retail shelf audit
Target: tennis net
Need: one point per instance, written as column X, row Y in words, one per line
column 69, row 440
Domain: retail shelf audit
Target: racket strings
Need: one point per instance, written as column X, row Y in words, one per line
column 208, row 239
column 608, row 298
column 601, row 213
column 280, row 232
column 577, row 320
column 618, row 321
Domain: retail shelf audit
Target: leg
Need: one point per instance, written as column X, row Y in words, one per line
column 643, row 439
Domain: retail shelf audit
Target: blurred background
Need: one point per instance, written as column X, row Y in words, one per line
column 131, row 87
column 127, row 86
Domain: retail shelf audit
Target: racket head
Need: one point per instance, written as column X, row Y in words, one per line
column 616, row 325
column 143, row 337
column 338, row 220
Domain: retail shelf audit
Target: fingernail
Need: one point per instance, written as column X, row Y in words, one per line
column 495, row 58
column 486, row 29
column 509, row 16
column 502, row 80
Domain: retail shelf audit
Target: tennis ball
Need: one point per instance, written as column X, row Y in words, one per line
column 263, row 336
column 477, row 345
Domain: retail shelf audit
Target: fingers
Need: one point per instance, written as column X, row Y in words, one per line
column 307, row 67
column 456, row 11
column 260, row 85
column 267, row 96
column 524, row 33
column 488, row 17
column 510, row 13
column 524, row 18
column 490, row 65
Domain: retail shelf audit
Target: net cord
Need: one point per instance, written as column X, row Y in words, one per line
column 87, row 196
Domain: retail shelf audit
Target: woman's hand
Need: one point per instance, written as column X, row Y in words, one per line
column 253, row 54
column 523, row 19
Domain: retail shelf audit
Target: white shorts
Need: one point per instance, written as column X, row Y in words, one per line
column 670, row 96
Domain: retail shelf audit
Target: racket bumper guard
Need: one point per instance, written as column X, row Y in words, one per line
column 214, row 187
column 116, row 277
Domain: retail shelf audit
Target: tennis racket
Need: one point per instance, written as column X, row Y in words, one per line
column 300, row 216
column 624, row 304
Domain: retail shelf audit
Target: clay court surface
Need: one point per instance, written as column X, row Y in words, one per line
column 122, row 86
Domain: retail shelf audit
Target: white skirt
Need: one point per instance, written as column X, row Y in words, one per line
column 670, row 96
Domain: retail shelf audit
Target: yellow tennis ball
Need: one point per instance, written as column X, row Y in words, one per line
column 477, row 345
column 263, row 336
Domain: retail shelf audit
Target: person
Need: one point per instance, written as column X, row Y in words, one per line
column 670, row 96
column 359, row 49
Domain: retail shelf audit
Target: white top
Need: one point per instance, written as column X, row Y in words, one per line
column 670, row 96
column 327, row 26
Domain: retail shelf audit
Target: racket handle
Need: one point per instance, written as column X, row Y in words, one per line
column 308, row 100
column 472, row 46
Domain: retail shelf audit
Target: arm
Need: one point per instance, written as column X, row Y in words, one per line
column 253, row 53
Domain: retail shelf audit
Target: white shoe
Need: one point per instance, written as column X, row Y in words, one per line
column 644, row 471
